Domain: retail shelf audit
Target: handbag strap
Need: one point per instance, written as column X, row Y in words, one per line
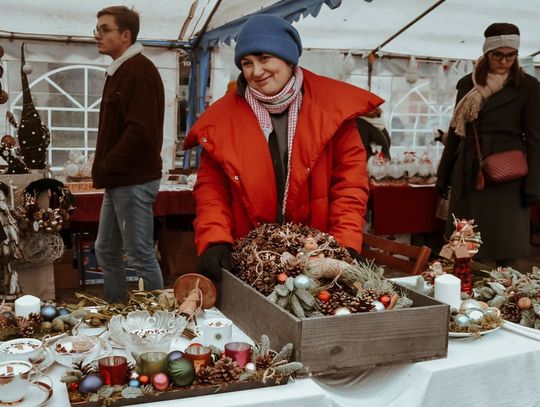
column 477, row 143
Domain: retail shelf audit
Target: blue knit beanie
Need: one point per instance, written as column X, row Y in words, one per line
column 265, row 33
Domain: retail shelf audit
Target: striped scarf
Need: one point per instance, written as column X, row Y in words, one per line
column 262, row 106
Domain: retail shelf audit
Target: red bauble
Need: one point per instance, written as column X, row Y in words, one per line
column 73, row 386
column 144, row 379
column 385, row 299
column 324, row 295
column 160, row 381
column 282, row 277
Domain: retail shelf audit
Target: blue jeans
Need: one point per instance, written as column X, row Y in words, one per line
column 126, row 226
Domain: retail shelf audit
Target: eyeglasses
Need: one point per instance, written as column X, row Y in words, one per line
column 499, row 56
column 103, row 30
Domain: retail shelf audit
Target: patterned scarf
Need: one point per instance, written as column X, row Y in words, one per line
column 262, row 105
column 470, row 105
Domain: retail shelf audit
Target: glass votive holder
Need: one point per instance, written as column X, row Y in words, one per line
column 114, row 370
column 153, row 362
column 239, row 352
column 200, row 356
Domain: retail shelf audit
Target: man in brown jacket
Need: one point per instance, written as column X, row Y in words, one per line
column 128, row 154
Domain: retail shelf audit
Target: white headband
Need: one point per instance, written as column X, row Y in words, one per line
column 498, row 41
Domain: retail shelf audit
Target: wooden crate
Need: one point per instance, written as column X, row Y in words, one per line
column 336, row 343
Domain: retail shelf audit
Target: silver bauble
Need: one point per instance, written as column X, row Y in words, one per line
column 379, row 306
column 302, row 281
column 27, row 68
column 462, row 320
column 475, row 314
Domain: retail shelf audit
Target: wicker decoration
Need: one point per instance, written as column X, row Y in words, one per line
column 42, row 247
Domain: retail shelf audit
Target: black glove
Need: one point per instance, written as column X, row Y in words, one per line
column 355, row 255
column 530, row 200
column 213, row 259
column 442, row 188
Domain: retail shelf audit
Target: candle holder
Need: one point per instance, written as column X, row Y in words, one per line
column 463, row 270
column 239, row 352
column 153, row 362
column 114, row 370
column 200, row 356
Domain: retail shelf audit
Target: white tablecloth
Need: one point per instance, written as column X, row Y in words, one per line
column 499, row 369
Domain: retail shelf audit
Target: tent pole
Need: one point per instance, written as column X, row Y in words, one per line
column 425, row 13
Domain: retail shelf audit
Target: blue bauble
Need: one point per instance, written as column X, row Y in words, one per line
column 63, row 311
column 91, row 383
column 175, row 354
column 134, row 383
column 49, row 312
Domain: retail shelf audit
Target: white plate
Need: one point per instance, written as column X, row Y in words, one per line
column 468, row 334
column 38, row 395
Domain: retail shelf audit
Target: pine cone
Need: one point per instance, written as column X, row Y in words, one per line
column 225, row 370
column 511, row 312
column 264, row 361
column 30, row 326
column 325, row 307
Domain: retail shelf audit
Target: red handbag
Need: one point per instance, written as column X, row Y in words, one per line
column 499, row 167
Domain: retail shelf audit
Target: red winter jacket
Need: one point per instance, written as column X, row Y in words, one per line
column 328, row 188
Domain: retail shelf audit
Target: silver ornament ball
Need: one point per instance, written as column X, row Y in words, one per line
column 27, row 69
column 379, row 306
column 462, row 320
column 302, row 281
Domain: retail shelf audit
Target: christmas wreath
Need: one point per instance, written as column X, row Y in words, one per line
column 48, row 205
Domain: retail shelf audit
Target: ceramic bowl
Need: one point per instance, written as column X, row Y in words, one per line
column 26, row 349
column 141, row 332
column 74, row 349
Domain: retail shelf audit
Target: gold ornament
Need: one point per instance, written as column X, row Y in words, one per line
column 524, row 303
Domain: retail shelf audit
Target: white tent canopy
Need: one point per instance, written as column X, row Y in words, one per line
column 453, row 29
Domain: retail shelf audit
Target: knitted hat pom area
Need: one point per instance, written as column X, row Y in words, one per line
column 268, row 34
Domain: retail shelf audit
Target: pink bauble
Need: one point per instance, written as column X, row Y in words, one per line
column 160, row 381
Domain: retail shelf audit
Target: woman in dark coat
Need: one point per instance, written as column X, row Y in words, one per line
column 372, row 131
column 505, row 102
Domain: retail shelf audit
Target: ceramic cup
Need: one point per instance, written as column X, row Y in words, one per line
column 215, row 331
column 25, row 349
column 15, row 379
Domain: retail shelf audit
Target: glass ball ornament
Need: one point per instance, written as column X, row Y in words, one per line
column 379, row 306
column 175, row 354
column 302, row 281
column 182, row 372
column 134, row 383
column 27, row 69
column 144, row 379
column 91, row 383
column 250, row 367
column 63, row 311
column 160, row 381
column 49, row 312
column 342, row 311
column 462, row 320
column 474, row 314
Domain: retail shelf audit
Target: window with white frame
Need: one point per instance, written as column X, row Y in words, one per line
column 416, row 114
column 68, row 100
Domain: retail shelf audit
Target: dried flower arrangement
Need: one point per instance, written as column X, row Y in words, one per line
column 267, row 367
column 517, row 295
column 308, row 273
